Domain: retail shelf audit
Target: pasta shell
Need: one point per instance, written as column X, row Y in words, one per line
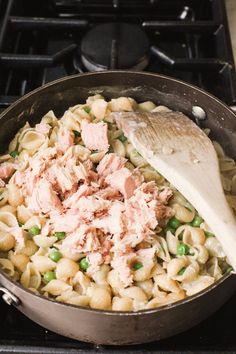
column 218, row 148
column 97, row 156
column 7, row 220
column 70, row 121
column 42, row 263
column 166, row 284
column 191, row 235
column 136, row 159
column 172, row 243
column 163, row 251
column 118, row 147
column 50, row 119
column 161, row 109
column 81, row 283
column 213, row 268
column 7, row 241
column 56, row 287
column 3, row 196
column 98, row 108
column 193, row 287
column 44, row 241
column 214, row 247
column 147, row 106
column 31, row 140
column 7, row 266
column 31, row 277
column 121, row 104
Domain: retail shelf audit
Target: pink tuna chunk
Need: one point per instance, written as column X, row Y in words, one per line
column 72, row 201
column 110, row 163
column 65, row 139
column 113, row 222
column 66, row 222
column 165, row 195
column 94, row 259
column 108, row 193
column 84, row 239
column 44, row 198
column 7, row 169
column 123, row 181
column 94, row 135
column 122, row 264
column 91, row 206
column 62, row 177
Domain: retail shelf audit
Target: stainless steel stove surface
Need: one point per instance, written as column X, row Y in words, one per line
column 44, row 40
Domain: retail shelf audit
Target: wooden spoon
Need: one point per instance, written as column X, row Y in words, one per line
column 178, row 149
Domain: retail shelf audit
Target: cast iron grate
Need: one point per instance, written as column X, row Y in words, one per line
column 40, row 41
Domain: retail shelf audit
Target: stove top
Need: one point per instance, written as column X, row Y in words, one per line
column 44, row 40
column 215, row 335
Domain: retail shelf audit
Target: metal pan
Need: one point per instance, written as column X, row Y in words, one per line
column 106, row 327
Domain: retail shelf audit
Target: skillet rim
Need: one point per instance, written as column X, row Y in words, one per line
column 110, row 312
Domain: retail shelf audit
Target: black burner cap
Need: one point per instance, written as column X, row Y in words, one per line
column 128, row 41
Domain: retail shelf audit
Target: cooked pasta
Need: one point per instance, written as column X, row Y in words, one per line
column 85, row 220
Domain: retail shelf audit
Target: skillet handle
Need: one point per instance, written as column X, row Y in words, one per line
column 8, row 297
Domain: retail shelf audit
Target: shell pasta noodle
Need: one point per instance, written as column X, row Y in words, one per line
column 85, row 220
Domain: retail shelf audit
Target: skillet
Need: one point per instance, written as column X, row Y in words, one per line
column 107, row 327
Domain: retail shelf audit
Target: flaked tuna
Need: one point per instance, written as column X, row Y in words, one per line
column 65, row 139
column 113, row 222
column 123, row 181
column 72, row 201
column 44, row 199
column 94, row 135
column 84, row 239
column 110, row 163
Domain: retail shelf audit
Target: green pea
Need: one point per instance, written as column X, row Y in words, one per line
column 228, row 270
column 14, row 154
column 137, row 266
column 55, row 256
column 171, row 229
column 84, row 264
column 197, row 221
column 87, row 109
column 60, row 235
column 35, row 230
column 122, row 138
column 48, row 276
column 76, row 133
column 182, row 270
column 209, row 234
column 174, row 223
column 182, row 249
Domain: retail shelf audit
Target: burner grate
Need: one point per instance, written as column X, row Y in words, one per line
column 41, row 41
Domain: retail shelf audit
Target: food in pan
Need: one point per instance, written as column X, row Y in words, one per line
column 86, row 221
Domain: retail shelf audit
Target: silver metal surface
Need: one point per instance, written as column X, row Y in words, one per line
column 9, row 298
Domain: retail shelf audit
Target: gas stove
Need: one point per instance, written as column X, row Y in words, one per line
column 41, row 41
